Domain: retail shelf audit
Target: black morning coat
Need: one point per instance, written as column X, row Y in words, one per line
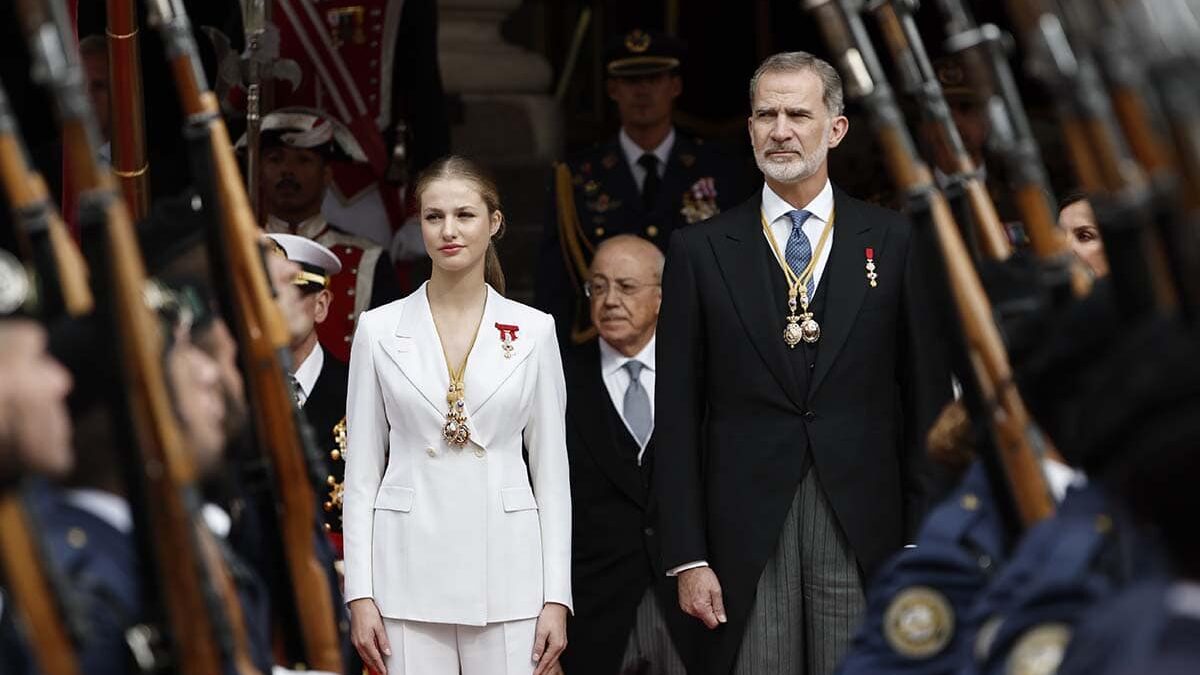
column 615, row 552
column 741, row 417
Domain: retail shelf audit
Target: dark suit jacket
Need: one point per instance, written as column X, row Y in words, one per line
column 325, row 407
column 615, row 556
column 746, row 416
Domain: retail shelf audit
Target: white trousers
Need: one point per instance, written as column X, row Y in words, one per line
column 420, row 648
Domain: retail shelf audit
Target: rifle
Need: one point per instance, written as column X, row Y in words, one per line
column 983, row 51
column 189, row 575
column 40, row 230
column 918, row 79
column 1099, row 28
column 264, row 339
column 129, row 163
column 1103, row 162
column 1020, row 443
column 36, row 597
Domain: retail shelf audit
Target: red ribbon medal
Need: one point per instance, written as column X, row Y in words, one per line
column 871, row 275
column 508, row 334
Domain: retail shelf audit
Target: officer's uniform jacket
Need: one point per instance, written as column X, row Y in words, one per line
column 362, row 59
column 457, row 535
column 699, row 181
column 1062, row 567
column 917, row 601
column 367, row 279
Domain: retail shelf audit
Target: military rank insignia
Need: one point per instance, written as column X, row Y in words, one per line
column 1039, row 651
column 918, row 623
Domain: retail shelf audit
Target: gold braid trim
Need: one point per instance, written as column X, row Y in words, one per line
column 570, row 234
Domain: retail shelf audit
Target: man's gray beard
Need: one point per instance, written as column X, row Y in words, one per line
column 791, row 172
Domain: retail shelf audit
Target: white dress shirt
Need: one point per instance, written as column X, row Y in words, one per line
column 617, row 380
column 309, row 371
column 775, row 210
column 633, row 152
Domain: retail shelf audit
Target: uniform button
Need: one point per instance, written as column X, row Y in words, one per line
column 970, row 502
column 350, row 316
column 374, row 63
column 431, row 452
column 649, row 531
column 76, row 538
column 599, row 231
column 346, row 339
column 347, row 250
column 350, row 292
column 652, row 231
column 809, row 416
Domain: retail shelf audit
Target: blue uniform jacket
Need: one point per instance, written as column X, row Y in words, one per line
column 917, row 600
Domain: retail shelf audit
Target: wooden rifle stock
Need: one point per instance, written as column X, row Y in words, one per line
column 34, row 596
column 1102, row 160
column 1020, row 443
column 263, row 338
column 983, row 51
column 904, row 42
column 199, row 600
column 129, row 163
column 37, row 218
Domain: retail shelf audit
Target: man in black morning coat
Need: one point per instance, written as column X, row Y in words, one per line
column 794, row 472
column 627, row 617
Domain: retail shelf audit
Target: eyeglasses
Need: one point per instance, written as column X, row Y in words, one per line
column 596, row 288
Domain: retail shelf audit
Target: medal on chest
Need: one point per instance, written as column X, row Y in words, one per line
column 801, row 325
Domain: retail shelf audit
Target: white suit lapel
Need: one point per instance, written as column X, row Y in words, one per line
column 488, row 368
column 415, row 348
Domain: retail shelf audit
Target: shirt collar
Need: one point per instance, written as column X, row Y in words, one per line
column 612, row 360
column 633, row 151
column 311, row 227
column 775, row 207
column 106, row 506
column 308, row 372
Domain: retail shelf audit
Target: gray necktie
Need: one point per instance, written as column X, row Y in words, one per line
column 637, row 403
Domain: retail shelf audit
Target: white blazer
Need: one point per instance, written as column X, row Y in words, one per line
column 443, row 534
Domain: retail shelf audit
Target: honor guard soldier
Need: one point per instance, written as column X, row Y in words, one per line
column 319, row 378
column 300, row 147
column 373, row 65
column 648, row 179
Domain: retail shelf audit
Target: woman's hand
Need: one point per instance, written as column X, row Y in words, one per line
column 550, row 638
column 368, row 635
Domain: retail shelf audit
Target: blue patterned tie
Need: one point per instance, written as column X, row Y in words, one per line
column 799, row 249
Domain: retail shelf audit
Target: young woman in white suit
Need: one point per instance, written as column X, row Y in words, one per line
column 454, row 561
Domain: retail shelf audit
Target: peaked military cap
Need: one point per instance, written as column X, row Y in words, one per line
column 641, row 52
column 317, row 263
column 308, row 129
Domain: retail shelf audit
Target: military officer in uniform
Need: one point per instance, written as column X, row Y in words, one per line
column 319, row 377
column 372, row 65
column 649, row 179
column 299, row 147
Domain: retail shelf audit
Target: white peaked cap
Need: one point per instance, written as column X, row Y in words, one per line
column 308, row 253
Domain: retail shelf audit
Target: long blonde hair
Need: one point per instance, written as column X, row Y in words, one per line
column 457, row 166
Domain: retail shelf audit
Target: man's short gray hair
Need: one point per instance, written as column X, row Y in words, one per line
column 791, row 62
